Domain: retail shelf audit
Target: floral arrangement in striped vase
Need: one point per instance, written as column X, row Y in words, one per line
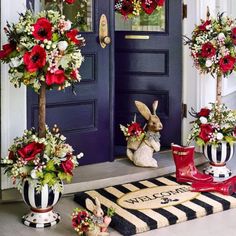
column 43, row 52
column 213, row 124
column 48, row 160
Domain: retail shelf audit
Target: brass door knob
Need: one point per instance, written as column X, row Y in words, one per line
column 106, row 40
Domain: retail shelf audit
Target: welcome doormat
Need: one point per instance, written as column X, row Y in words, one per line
column 155, row 203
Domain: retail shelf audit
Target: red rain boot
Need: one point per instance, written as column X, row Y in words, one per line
column 185, row 168
column 226, row 187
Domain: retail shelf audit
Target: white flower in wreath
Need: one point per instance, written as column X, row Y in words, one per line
column 62, row 45
column 15, row 62
column 221, row 36
column 209, row 63
column 203, row 120
column 67, row 25
column 219, row 136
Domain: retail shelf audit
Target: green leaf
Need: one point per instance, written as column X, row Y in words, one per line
column 200, row 142
column 50, row 166
column 48, row 177
column 55, row 37
column 65, row 176
column 64, row 62
column 230, row 139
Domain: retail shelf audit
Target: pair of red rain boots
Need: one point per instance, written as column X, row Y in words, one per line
column 187, row 172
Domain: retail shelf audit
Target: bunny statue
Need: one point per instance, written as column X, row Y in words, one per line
column 143, row 155
column 100, row 221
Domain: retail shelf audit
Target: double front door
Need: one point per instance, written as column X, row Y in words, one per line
column 145, row 70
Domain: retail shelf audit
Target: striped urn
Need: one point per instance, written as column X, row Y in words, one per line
column 41, row 203
column 218, row 156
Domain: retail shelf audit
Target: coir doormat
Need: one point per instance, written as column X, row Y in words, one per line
column 155, row 203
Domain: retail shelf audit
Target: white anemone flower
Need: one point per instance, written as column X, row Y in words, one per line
column 62, row 45
column 209, row 63
column 33, row 174
column 203, row 120
column 219, row 136
column 221, row 36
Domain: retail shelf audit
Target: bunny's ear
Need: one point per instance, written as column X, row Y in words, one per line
column 89, row 204
column 154, row 107
column 143, row 109
column 98, row 204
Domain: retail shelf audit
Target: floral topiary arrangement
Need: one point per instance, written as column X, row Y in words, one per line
column 43, row 52
column 43, row 48
column 212, row 47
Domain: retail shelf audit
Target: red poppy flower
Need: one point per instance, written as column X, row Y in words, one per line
column 58, row 77
column 127, row 8
column 149, row 7
column 204, row 112
column 205, row 132
column 7, row 49
column 160, row 2
column 203, row 26
column 35, row 59
column 227, row 63
column 77, row 220
column 11, row 155
column 74, row 74
column 29, row 151
column 67, row 166
column 42, row 29
column 235, row 131
column 134, row 129
column 208, row 50
column 72, row 36
column 233, row 35
column 69, row 1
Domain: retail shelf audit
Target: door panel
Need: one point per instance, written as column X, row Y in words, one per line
column 85, row 118
column 148, row 70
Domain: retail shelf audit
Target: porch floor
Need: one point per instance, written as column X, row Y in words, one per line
column 101, row 175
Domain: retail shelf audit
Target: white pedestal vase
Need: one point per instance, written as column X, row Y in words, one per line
column 41, row 205
column 218, row 156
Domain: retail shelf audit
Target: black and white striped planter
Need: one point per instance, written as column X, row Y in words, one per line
column 41, row 204
column 218, row 156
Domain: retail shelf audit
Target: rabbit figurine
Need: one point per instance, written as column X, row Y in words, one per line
column 143, row 155
column 100, row 228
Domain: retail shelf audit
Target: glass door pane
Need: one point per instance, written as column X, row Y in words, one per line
column 80, row 12
column 143, row 22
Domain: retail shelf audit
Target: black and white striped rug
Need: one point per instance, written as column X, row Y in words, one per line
column 155, row 203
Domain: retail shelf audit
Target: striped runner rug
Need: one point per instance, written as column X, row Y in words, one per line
column 173, row 204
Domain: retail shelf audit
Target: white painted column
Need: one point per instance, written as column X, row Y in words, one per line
column 13, row 101
column 198, row 90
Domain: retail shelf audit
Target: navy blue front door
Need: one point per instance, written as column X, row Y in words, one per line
column 149, row 67
column 86, row 119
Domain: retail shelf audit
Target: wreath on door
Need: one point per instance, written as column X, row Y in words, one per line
column 133, row 8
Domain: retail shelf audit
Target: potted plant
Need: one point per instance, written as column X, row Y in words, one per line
column 213, row 50
column 43, row 52
column 215, row 130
